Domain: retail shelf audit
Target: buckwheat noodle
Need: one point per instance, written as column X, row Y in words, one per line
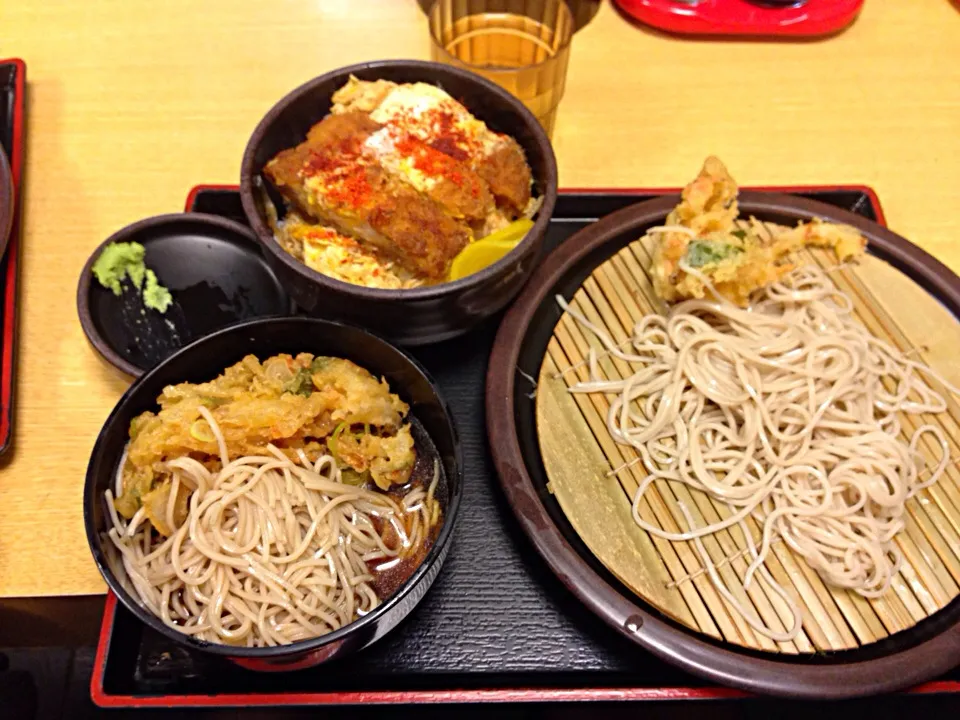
column 789, row 412
column 271, row 551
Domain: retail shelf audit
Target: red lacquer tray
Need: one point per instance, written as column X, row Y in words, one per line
column 464, row 644
column 13, row 74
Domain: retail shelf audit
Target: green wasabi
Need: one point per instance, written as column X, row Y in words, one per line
column 119, row 260
column 125, row 260
column 155, row 295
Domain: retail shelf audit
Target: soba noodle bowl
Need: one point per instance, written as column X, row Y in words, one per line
column 272, row 551
column 278, row 502
column 791, row 415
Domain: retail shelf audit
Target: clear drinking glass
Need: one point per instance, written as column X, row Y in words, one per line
column 522, row 45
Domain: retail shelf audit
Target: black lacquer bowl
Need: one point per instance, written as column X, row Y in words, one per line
column 433, row 430
column 420, row 315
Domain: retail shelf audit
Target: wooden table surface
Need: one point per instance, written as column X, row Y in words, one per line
column 133, row 102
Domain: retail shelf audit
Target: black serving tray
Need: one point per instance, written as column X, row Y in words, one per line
column 496, row 626
column 12, row 119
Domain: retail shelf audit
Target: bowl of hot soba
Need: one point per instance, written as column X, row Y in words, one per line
column 281, row 492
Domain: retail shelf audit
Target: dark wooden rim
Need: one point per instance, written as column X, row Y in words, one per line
column 249, row 174
column 6, row 202
column 631, row 618
column 129, row 234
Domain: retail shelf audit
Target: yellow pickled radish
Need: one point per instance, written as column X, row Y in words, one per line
column 487, row 250
column 513, row 232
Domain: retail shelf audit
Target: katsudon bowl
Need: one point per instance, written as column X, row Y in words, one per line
column 433, row 429
column 412, row 316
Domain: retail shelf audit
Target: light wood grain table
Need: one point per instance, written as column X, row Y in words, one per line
column 133, row 102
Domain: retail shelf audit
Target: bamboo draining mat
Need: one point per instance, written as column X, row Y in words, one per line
column 592, row 478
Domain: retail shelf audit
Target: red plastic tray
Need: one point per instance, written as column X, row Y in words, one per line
column 13, row 77
column 806, row 18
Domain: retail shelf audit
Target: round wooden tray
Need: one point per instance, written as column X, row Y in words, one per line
column 874, row 647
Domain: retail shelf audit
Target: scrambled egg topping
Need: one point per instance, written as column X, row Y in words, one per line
column 341, row 257
column 428, row 112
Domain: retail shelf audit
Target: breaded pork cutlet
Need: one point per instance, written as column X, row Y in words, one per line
column 450, row 183
column 430, row 114
column 333, row 178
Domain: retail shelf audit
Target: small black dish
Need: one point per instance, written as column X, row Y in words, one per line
column 214, row 271
column 433, row 430
column 419, row 315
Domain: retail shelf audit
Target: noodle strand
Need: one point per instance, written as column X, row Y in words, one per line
column 789, row 413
